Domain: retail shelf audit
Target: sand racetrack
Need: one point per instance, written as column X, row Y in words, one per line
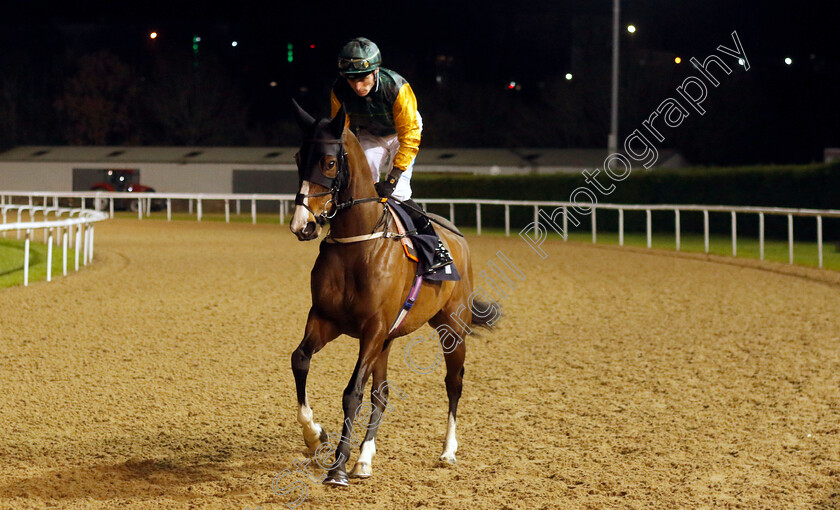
column 159, row 377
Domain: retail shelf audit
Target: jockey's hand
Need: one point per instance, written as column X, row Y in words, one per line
column 385, row 188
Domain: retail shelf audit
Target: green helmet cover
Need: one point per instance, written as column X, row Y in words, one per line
column 359, row 57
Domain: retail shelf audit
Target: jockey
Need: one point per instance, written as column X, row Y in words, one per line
column 382, row 112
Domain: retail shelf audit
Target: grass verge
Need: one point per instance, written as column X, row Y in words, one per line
column 12, row 258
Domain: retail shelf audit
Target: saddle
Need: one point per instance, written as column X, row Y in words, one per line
column 419, row 247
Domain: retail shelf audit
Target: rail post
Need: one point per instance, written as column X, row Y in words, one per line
column 761, row 236
column 677, row 227
column 49, row 254
column 536, row 221
column 78, row 244
column 26, row 257
column 565, row 223
column 790, row 238
column 85, row 244
column 734, row 235
column 819, row 242
column 64, row 242
column 621, row 227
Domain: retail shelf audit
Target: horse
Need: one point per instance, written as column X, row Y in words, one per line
column 359, row 282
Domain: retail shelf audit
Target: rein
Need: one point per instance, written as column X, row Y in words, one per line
column 335, row 185
column 384, row 221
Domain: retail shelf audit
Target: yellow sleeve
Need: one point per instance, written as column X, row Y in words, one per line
column 335, row 105
column 408, row 127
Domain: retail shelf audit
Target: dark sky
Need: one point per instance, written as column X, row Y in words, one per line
column 536, row 31
column 493, row 40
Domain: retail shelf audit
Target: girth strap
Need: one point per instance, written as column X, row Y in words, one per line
column 409, row 302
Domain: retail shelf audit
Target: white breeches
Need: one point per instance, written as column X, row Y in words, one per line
column 380, row 152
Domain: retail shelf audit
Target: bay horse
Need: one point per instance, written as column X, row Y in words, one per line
column 359, row 283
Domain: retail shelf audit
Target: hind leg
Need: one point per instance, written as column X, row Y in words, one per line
column 317, row 334
column 454, row 384
column 452, row 335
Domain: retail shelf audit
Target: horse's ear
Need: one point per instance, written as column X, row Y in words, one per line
column 337, row 123
column 304, row 120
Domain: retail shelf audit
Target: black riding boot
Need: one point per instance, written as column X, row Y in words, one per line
column 424, row 226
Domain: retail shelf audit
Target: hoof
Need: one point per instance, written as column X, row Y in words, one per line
column 313, row 445
column 447, row 460
column 361, row 470
column 336, row 479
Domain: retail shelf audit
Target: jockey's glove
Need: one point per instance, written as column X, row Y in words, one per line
column 385, row 188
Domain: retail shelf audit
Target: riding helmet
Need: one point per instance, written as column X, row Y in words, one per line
column 358, row 58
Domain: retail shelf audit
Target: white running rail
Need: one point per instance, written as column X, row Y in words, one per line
column 544, row 212
column 72, row 228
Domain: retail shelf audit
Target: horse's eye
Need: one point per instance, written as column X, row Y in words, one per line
column 332, row 164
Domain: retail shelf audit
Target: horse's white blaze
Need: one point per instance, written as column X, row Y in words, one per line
column 311, row 430
column 301, row 216
column 450, row 446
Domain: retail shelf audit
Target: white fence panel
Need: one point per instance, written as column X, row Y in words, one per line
column 144, row 205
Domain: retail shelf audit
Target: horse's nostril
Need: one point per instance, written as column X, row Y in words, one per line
column 308, row 229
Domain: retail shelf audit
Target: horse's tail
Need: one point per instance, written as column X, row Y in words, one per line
column 485, row 314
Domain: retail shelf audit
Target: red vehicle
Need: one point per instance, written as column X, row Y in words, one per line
column 123, row 181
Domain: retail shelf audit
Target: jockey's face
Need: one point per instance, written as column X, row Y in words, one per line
column 363, row 86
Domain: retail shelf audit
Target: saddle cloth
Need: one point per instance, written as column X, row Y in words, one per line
column 421, row 247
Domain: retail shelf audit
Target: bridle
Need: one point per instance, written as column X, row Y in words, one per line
column 334, row 185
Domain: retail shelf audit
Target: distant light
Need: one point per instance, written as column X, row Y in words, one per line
column 677, row 60
column 153, row 35
column 788, row 60
column 568, row 76
column 511, row 85
column 234, row 44
column 740, row 61
column 197, row 39
column 272, row 84
column 122, row 178
column 438, row 79
column 631, row 29
column 311, row 46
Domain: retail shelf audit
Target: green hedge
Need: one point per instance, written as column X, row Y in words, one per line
column 801, row 186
